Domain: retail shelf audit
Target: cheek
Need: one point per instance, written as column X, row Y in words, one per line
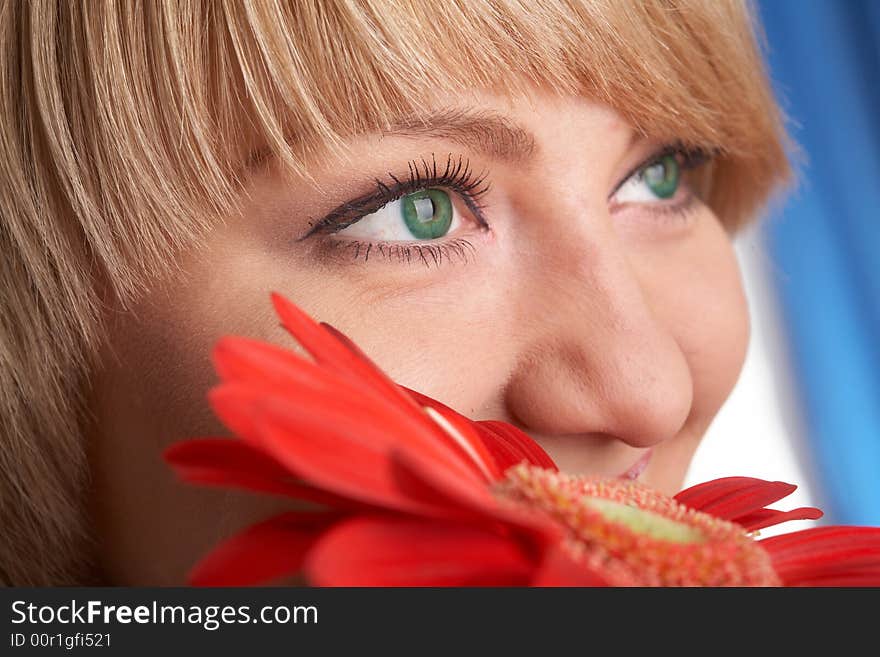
column 717, row 342
column 698, row 293
column 151, row 390
column 149, row 394
column 450, row 341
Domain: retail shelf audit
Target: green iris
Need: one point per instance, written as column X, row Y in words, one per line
column 663, row 176
column 427, row 213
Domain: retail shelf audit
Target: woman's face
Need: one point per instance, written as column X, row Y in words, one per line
column 547, row 281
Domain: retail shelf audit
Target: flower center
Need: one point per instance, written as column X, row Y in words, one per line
column 632, row 535
column 645, row 523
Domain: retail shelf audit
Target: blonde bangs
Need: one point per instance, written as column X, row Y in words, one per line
column 151, row 108
column 125, row 127
column 683, row 71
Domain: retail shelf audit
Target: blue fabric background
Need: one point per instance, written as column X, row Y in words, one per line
column 824, row 58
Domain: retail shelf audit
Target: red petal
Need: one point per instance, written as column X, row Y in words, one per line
column 256, row 372
column 810, row 541
column 863, row 576
column 263, row 552
column 731, row 497
column 826, row 553
column 419, row 480
column 241, row 406
column 472, row 453
column 269, row 370
column 475, row 448
column 388, row 551
column 360, row 364
column 229, row 462
column 510, row 446
column 323, row 347
column 379, row 427
column 708, row 491
column 243, row 359
column 333, row 349
column 769, row 517
column 342, row 372
column 348, row 454
column 559, row 569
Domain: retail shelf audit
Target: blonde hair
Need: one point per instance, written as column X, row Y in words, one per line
column 123, row 127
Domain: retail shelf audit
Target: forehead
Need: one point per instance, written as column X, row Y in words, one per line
column 543, row 135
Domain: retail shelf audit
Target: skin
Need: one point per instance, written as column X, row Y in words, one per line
column 602, row 329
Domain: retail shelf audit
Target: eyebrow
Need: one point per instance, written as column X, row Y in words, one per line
column 492, row 134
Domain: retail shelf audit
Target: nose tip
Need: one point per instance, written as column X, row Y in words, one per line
column 646, row 410
column 640, row 399
column 598, row 352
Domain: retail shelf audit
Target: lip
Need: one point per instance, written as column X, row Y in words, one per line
column 637, row 468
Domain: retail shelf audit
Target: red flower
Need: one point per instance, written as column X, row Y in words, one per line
column 406, row 491
column 820, row 556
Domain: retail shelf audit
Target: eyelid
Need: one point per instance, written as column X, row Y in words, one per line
column 360, row 207
column 693, row 158
column 456, row 176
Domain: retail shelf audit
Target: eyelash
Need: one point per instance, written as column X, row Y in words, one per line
column 428, row 253
column 458, row 177
column 689, row 158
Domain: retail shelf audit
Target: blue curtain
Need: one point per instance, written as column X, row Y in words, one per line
column 824, row 58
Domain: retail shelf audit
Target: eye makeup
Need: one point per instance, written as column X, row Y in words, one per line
column 663, row 178
column 456, row 176
column 664, row 173
column 429, row 253
column 659, row 192
column 688, row 159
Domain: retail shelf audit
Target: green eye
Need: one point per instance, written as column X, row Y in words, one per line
column 662, row 177
column 427, row 213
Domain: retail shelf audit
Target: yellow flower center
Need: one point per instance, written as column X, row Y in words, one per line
column 635, row 536
column 643, row 522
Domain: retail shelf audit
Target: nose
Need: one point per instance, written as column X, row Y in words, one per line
column 595, row 358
